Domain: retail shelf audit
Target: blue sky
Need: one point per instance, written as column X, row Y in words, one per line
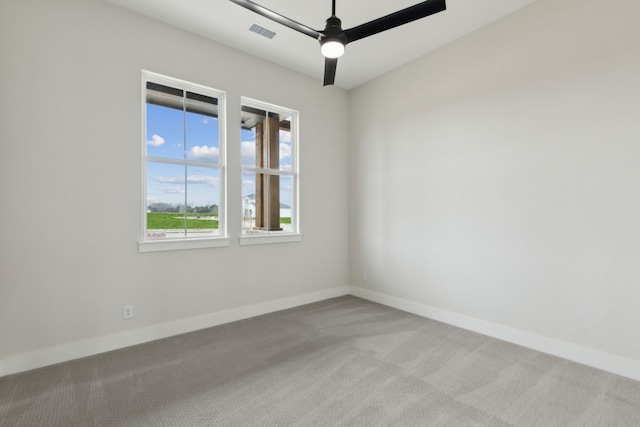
column 166, row 139
column 166, row 129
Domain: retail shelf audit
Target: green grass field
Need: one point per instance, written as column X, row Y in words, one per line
column 175, row 221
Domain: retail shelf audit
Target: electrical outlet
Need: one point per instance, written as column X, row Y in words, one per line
column 127, row 312
column 365, row 276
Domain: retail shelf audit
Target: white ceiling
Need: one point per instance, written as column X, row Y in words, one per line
column 227, row 23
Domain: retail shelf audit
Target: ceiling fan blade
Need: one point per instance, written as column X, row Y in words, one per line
column 396, row 19
column 283, row 20
column 330, row 65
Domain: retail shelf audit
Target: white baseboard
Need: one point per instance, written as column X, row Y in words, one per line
column 626, row 367
column 615, row 364
column 92, row 346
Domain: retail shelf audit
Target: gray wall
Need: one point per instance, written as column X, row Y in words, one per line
column 71, row 193
column 497, row 179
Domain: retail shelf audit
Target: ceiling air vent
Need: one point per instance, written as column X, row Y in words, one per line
column 258, row 29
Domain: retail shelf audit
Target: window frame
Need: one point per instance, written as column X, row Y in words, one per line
column 269, row 237
column 146, row 244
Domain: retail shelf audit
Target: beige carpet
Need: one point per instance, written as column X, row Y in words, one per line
column 344, row 362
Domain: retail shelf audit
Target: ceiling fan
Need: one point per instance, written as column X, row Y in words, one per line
column 333, row 38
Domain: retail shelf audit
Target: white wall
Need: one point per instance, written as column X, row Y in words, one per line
column 517, row 149
column 70, row 186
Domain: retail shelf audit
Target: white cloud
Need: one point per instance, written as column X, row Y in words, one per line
column 173, row 190
column 170, row 179
column 285, row 151
column 203, row 179
column 248, row 152
column 191, row 179
column 285, row 136
column 203, row 153
column 156, row 141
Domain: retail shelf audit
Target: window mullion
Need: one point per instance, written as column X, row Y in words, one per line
column 184, row 153
column 267, row 176
column 181, row 162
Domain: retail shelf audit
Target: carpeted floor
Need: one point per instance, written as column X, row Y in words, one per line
column 341, row 362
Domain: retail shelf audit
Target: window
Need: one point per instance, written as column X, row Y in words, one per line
column 269, row 164
column 184, row 170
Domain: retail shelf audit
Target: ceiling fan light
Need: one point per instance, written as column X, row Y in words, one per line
column 332, row 48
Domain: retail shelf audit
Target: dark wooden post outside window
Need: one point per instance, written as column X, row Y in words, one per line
column 268, row 157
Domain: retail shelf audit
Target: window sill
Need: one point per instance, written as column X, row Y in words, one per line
column 181, row 244
column 263, row 239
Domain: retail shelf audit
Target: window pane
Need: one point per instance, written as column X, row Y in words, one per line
column 203, row 201
column 284, row 136
column 268, row 148
column 261, row 206
column 248, row 201
column 286, row 203
column 165, row 123
column 165, row 200
column 202, row 129
column 248, row 147
column 252, row 128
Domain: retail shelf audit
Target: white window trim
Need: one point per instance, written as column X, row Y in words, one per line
column 261, row 239
column 146, row 244
column 181, row 244
column 278, row 237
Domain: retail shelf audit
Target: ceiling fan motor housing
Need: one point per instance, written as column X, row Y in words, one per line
column 333, row 31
